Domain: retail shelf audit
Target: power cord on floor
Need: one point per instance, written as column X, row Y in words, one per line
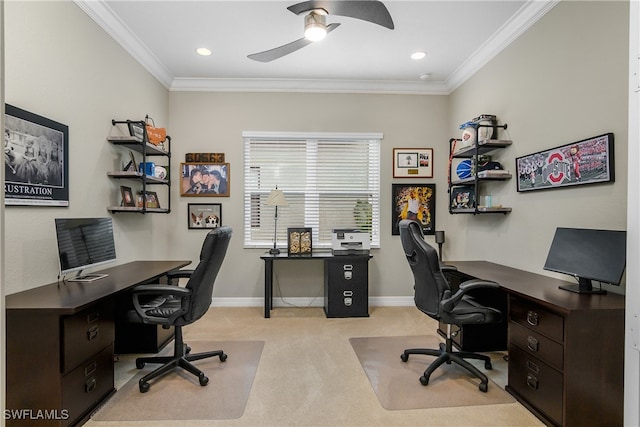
column 290, row 304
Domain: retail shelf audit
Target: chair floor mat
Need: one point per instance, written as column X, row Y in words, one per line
column 397, row 384
column 178, row 395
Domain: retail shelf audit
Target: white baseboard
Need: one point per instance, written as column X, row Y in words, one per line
column 306, row 302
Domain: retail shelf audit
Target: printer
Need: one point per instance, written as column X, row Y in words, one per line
column 350, row 242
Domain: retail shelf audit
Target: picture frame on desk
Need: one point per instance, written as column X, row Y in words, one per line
column 413, row 201
column 299, row 241
column 463, row 197
column 151, row 199
column 127, row 196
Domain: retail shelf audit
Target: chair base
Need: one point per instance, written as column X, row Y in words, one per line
column 445, row 354
column 181, row 359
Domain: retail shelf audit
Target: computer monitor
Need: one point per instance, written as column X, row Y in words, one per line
column 84, row 243
column 588, row 255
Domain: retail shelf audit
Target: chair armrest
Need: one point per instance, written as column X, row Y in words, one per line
column 470, row 285
column 445, row 268
column 180, row 274
column 181, row 294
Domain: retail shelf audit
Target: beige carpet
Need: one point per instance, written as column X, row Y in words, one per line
column 397, row 384
column 225, row 396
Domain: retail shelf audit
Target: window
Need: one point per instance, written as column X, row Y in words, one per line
column 330, row 181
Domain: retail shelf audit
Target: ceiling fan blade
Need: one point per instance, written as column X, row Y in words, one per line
column 279, row 52
column 366, row 10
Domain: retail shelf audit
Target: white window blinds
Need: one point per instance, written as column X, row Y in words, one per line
column 329, row 180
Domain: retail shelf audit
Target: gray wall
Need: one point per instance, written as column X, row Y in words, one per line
column 562, row 81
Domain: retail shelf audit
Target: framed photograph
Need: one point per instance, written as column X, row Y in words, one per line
column 412, row 163
column 136, row 130
column 299, row 241
column 150, row 198
column 204, row 215
column 127, row 196
column 463, row 197
column 36, row 160
column 414, row 201
column 204, row 179
column 589, row 161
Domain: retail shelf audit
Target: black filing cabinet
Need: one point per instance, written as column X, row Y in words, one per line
column 346, row 286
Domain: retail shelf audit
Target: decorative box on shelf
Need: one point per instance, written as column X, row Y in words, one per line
column 299, row 241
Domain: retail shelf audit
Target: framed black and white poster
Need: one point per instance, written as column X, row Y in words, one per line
column 36, row 160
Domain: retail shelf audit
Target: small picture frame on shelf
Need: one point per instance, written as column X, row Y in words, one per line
column 151, row 199
column 127, row 196
column 204, row 215
column 136, row 130
column 463, row 198
column 299, row 241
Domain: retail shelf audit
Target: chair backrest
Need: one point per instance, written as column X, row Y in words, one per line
column 201, row 281
column 429, row 281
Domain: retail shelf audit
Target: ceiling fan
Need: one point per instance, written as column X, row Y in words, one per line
column 315, row 22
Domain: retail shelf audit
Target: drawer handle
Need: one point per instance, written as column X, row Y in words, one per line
column 532, row 318
column 93, row 317
column 90, row 370
column 347, row 267
column 92, row 332
column 90, row 385
column 532, row 382
column 533, row 367
column 532, row 343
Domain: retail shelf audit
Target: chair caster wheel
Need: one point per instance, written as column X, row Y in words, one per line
column 483, row 387
column 203, row 380
column 139, row 365
column 424, row 380
column 488, row 366
column 187, row 350
column 404, row 357
column 144, row 387
column 223, row 357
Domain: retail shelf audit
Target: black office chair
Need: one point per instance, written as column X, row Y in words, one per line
column 433, row 297
column 170, row 305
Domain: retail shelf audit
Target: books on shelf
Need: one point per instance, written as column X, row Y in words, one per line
column 494, row 173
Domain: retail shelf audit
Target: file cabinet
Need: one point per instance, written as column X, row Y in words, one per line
column 346, row 286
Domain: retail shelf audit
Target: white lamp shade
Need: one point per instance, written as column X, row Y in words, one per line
column 315, row 27
column 276, row 198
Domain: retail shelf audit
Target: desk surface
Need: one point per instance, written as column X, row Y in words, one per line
column 71, row 297
column 314, row 255
column 542, row 288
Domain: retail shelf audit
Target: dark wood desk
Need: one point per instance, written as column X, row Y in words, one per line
column 60, row 344
column 332, row 281
column 566, row 351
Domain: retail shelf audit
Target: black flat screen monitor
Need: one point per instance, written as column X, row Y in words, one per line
column 588, row 255
column 84, row 243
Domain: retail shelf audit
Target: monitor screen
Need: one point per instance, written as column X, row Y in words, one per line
column 588, row 255
column 84, row 243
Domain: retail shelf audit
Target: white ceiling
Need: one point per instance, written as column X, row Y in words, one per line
column 459, row 37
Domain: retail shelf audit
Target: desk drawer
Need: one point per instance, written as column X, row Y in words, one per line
column 536, row 318
column 85, row 334
column 536, row 382
column 88, row 384
column 536, row 345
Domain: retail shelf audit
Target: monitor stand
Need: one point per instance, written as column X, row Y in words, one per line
column 88, row 278
column 583, row 287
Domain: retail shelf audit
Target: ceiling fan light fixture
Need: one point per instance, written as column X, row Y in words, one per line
column 315, row 26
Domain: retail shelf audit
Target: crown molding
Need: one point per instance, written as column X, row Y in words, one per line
column 529, row 13
column 307, row 85
column 101, row 13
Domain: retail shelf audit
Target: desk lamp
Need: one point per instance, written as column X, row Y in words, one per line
column 276, row 198
column 440, row 241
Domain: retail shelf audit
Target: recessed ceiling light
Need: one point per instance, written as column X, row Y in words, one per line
column 203, row 51
column 425, row 76
column 418, row 55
